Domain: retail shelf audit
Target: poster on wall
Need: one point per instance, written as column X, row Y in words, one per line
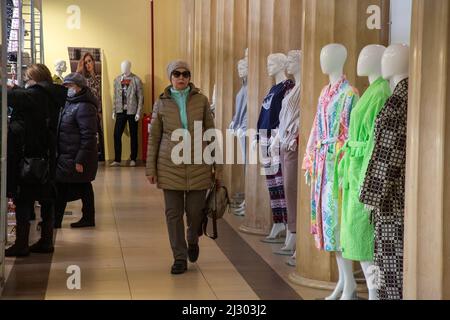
column 88, row 62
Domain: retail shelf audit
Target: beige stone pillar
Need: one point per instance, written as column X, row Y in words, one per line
column 187, row 30
column 427, row 217
column 274, row 26
column 326, row 21
column 205, row 46
column 231, row 42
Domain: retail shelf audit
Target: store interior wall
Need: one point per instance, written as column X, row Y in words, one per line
column 122, row 29
column 167, row 39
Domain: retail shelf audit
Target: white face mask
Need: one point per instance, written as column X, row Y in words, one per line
column 71, row 92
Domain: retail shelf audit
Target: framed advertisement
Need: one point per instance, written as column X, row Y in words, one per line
column 88, row 62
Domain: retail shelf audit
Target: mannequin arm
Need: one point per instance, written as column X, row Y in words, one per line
column 140, row 96
column 275, row 145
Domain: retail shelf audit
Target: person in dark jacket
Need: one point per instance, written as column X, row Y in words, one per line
column 77, row 158
column 32, row 134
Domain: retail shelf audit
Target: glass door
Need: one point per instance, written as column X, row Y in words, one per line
column 3, row 127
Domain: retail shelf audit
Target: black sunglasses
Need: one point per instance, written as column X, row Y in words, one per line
column 185, row 74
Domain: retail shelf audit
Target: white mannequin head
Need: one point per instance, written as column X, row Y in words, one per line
column 395, row 63
column 332, row 60
column 276, row 66
column 243, row 68
column 60, row 67
column 126, row 67
column 294, row 62
column 369, row 62
column 276, row 63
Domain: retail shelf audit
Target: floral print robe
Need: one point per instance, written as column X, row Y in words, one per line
column 328, row 134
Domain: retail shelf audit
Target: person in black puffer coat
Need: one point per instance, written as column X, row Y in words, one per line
column 32, row 134
column 77, row 158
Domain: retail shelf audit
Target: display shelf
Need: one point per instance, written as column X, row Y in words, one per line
column 3, row 125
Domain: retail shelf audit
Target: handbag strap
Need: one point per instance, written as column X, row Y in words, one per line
column 215, row 234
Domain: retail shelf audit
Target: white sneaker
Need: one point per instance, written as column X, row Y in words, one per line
column 132, row 163
column 115, row 164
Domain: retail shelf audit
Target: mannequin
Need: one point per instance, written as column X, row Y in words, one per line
column 267, row 123
column 128, row 105
column 328, row 135
column 357, row 233
column 288, row 137
column 60, row 69
column 395, row 64
column 381, row 190
column 239, row 124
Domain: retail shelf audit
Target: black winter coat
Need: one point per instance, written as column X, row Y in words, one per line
column 32, row 133
column 77, row 139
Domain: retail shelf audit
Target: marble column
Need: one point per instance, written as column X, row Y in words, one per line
column 274, row 26
column 231, row 42
column 427, row 217
column 204, row 54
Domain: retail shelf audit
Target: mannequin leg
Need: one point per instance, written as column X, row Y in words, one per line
column 121, row 122
column 349, row 279
column 340, row 285
column 346, row 284
column 290, row 243
column 276, row 230
column 133, row 125
column 371, row 279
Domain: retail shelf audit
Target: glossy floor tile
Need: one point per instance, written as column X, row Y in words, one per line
column 128, row 256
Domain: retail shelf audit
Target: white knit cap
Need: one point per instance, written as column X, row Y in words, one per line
column 178, row 64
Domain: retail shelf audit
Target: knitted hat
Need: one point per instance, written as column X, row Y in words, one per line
column 76, row 78
column 178, row 64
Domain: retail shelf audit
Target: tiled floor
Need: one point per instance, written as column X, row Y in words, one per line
column 127, row 256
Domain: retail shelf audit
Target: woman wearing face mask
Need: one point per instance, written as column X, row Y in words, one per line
column 86, row 67
column 185, row 185
column 77, row 161
column 32, row 134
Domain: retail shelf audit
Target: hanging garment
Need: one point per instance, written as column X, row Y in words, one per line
column 384, row 191
column 240, row 120
column 240, row 116
column 290, row 120
column 288, row 133
column 328, row 134
column 128, row 95
column 269, row 120
column 357, row 234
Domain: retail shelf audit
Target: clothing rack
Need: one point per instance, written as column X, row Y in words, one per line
column 3, row 125
column 24, row 36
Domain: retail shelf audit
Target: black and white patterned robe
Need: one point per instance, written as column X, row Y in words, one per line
column 384, row 191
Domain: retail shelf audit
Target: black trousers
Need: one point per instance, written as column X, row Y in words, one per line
column 68, row 192
column 25, row 209
column 121, row 122
column 101, row 140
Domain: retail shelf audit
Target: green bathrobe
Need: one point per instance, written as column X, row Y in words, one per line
column 357, row 232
